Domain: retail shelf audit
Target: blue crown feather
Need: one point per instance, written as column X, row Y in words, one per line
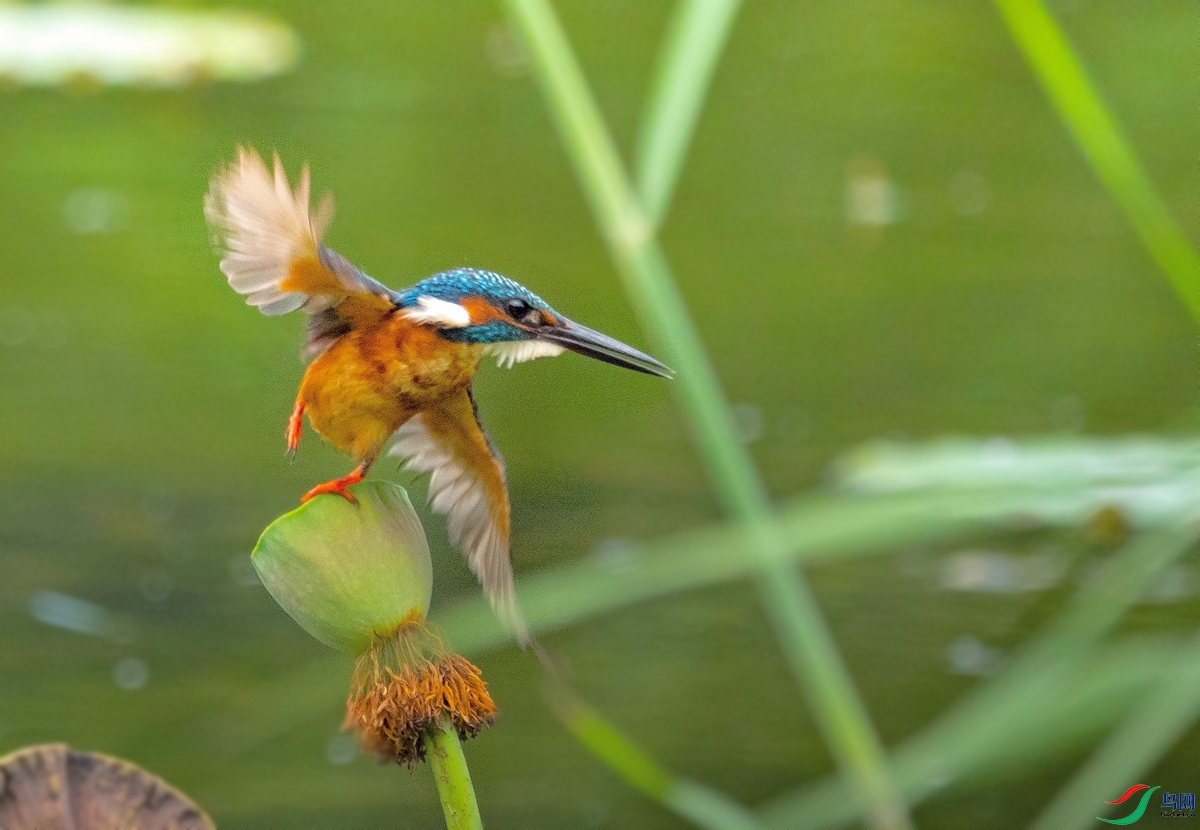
column 453, row 285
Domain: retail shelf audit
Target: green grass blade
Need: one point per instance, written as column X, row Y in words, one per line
column 819, row 529
column 985, row 724
column 1045, row 718
column 643, row 267
column 889, row 496
column 697, row 34
column 701, row 805
column 806, row 640
column 1145, row 736
column 1095, row 130
column 1104, row 600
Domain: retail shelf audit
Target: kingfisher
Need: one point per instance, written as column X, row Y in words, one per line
column 391, row 371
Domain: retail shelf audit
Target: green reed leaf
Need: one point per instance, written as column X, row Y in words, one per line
column 1072, row 93
column 807, row 642
column 686, row 63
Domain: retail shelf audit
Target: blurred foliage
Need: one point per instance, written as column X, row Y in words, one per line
column 985, row 285
column 628, row 227
column 799, row 626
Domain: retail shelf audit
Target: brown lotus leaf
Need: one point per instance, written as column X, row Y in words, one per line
column 54, row 787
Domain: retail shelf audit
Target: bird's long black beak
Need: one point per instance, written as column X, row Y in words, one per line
column 585, row 341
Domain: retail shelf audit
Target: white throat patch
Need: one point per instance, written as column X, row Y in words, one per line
column 520, row 351
column 441, row 313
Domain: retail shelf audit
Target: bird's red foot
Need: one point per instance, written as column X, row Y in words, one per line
column 338, row 486
column 294, row 428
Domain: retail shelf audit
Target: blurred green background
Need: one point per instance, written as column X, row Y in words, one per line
column 985, row 284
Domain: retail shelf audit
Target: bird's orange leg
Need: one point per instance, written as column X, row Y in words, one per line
column 294, row 428
column 339, row 485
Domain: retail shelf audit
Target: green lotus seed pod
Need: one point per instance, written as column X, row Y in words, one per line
column 348, row 573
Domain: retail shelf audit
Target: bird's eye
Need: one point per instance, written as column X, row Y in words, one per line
column 524, row 313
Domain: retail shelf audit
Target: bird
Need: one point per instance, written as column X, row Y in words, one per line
column 390, row 372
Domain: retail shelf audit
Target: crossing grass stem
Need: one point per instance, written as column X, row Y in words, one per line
column 630, row 234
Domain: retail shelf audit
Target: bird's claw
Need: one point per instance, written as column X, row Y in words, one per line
column 294, row 429
column 334, row 487
column 338, row 486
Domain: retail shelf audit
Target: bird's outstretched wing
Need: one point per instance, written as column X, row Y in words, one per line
column 467, row 484
column 271, row 249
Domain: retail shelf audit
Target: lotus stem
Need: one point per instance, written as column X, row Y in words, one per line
column 444, row 753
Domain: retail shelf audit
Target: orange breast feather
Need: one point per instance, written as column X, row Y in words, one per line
column 372, row 380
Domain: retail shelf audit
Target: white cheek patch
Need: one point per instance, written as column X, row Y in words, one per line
column 520, row 351
column 441, row 313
